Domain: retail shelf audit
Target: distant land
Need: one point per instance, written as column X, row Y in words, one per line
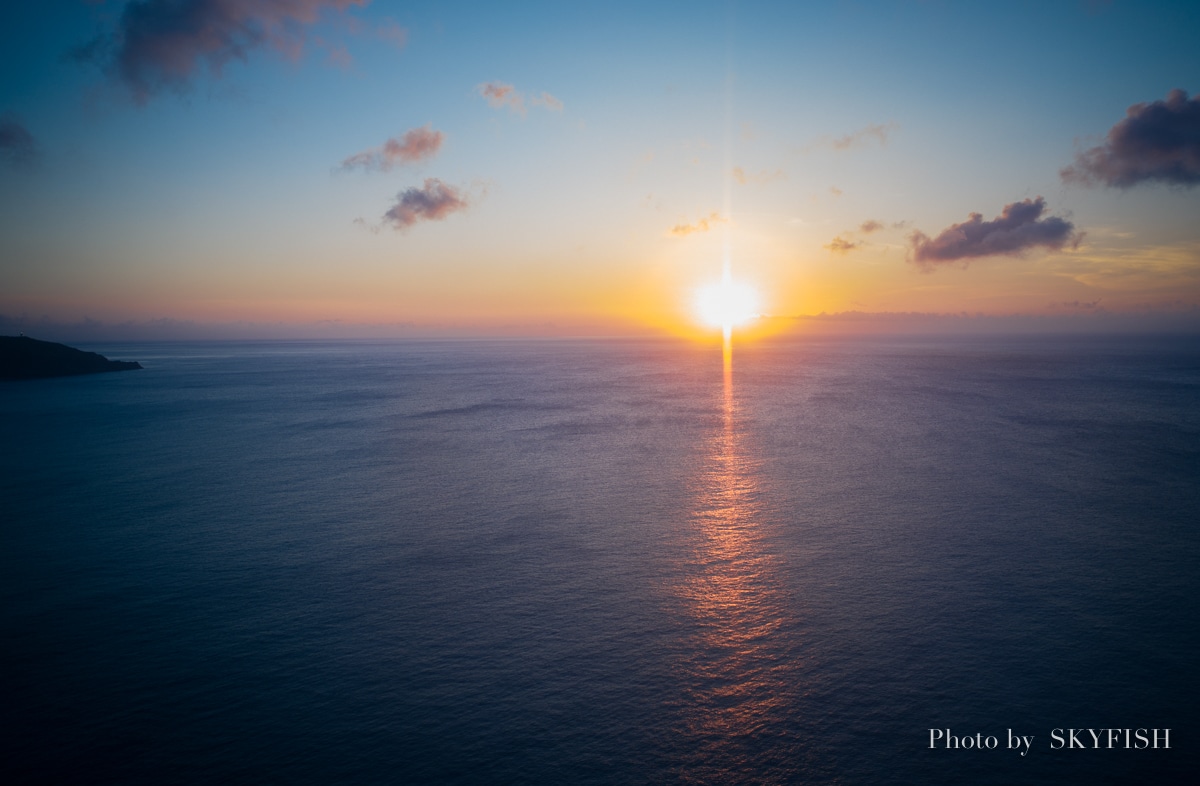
column 22, row 357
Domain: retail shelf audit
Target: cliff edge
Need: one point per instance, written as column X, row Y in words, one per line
column 22, row 357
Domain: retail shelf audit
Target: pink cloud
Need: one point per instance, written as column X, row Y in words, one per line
column 499, row 94
column 502, row 94
column 432, row 202
column 418, row 144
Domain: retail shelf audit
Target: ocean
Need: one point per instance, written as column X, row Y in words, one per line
column 604, row 562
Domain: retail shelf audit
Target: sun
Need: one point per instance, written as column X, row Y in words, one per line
column 727, row 304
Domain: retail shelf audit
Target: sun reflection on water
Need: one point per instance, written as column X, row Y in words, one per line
column 741, row 678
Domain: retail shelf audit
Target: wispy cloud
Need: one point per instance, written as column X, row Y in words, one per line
column 548, row 101
column 501, row 94
column 1015, row 231
column 1121, row 271
column 418, row 144
column 702, row 225
column 874, row 132
column 432, row 202
column 843, row 244
column 840, row 245
column 17, row 146
column 1158, row 141
column 746, row 178
column 159, row 44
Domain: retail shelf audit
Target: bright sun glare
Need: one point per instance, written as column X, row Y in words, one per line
column 728, row 303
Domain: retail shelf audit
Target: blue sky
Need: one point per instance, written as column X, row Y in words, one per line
column 653, row 142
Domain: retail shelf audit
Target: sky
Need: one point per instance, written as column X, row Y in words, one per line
column 362, row 167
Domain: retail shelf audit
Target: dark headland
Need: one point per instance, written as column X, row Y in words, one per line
column 22, row 357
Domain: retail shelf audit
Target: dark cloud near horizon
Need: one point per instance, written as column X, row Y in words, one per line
column 869, row 226
column 17, row 146
column 1019, row 228
column 159, row 44
column 417, row 144
column 432, row 202
column 1156, row 141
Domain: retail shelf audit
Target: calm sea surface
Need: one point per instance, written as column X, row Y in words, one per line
column 601, row 562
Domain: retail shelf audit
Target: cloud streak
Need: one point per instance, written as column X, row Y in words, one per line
column 703, row 225
column 745, row 178
column 160, row 44
column 432, row 202
column 501, row 94
column 418, row 144
column 840, row 245
column 1158, row 141
column 1018, row 229
column 17, row 146
column 863, row 136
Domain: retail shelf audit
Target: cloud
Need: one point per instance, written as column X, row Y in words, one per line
column 743, row 177
column 17, row 147
column 864, row 136
column 843, row 245
column 159, row 44
column 703, row 225
column 1158, row 141
column 1016, row 230
column 501, row 94
column 1121, row 270
column 418, row 144
column 432, row 202
column 548, row 101
column 839, row 245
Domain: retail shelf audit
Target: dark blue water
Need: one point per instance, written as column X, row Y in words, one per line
column 601, row 562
